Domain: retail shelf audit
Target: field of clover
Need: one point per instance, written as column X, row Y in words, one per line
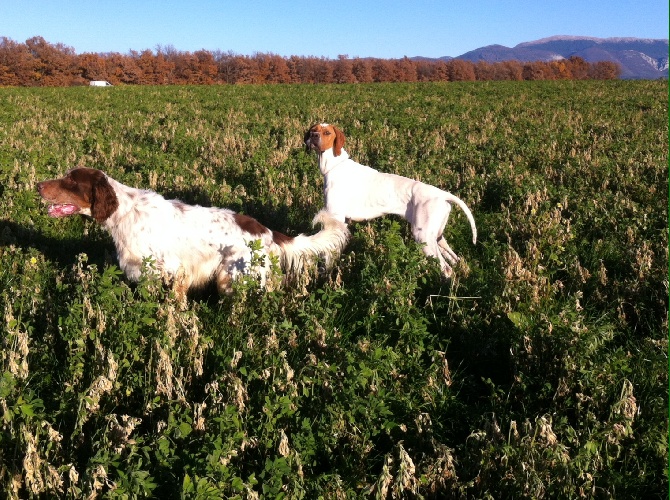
column 539, row 370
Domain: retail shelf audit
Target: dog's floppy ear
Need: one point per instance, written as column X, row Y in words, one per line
column 103, row 200
column 339, row 141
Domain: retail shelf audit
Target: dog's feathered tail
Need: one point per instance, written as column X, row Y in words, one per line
column 455, row 199
column 327, row 243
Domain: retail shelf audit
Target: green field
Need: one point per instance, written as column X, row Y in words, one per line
column 540, row 370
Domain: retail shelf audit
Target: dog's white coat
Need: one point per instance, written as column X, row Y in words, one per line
column 358, row 192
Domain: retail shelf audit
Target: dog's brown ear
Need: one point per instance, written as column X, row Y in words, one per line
column 339, row 141
column 103, row 200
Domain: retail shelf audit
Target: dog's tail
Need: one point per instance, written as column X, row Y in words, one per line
column 327, row 243
column 455, row 199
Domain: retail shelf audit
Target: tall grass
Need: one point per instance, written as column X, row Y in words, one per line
column 540, row 370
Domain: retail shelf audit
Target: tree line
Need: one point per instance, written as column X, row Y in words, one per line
column 38, row 63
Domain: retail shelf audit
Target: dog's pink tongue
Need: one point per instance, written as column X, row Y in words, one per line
column 62, row 210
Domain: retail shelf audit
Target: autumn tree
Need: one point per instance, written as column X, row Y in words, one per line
column 295, row 69
column 579, row 68
column 441, row 71
column 203, row 68
column 279, row 71
column 127, row 70
column 269, row 68
column 560, row 70
column 382, row 70
column 227, row 66
column 513, row 70
column 362, row 70
column 17, row 64
column 55, row 65
column 460, row 70
column 259, row 68
column 404, row 70
column 343, row 70
column 39, row 63
column 93, row 67
column 484, row 71
column 605, row 70
column 534, row 71
column 323, row 71
column 425, row 71
column 149, row 69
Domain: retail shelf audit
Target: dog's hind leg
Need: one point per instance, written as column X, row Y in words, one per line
column 429, row 220
column 447, row 252
column 432, row 248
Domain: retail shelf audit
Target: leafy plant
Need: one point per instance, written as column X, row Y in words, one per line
column 540, row 369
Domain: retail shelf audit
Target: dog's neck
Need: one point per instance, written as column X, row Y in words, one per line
column 328, row 160
column 127, row 198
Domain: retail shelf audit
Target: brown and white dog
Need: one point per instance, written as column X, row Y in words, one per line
column 357, row 192
column 189, row 243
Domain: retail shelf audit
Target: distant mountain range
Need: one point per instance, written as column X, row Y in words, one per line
column 639, row 58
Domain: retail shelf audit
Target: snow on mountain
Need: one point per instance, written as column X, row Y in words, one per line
column 639, row 58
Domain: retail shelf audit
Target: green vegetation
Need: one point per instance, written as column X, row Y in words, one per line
column 541, row 370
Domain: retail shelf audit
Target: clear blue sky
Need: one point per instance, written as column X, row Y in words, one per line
column 387, row 29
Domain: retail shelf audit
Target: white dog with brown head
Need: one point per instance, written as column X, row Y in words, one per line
column 358, row 192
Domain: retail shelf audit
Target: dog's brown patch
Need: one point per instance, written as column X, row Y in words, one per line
column 280, row 238
column 250, row 225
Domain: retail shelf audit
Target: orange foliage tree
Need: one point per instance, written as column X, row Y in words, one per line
column 39, row 63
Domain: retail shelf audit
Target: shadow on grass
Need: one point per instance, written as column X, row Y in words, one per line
column 63, row 250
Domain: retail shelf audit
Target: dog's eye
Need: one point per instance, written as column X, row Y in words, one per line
column 327, row 132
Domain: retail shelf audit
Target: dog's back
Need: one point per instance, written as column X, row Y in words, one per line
column 358, row 192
